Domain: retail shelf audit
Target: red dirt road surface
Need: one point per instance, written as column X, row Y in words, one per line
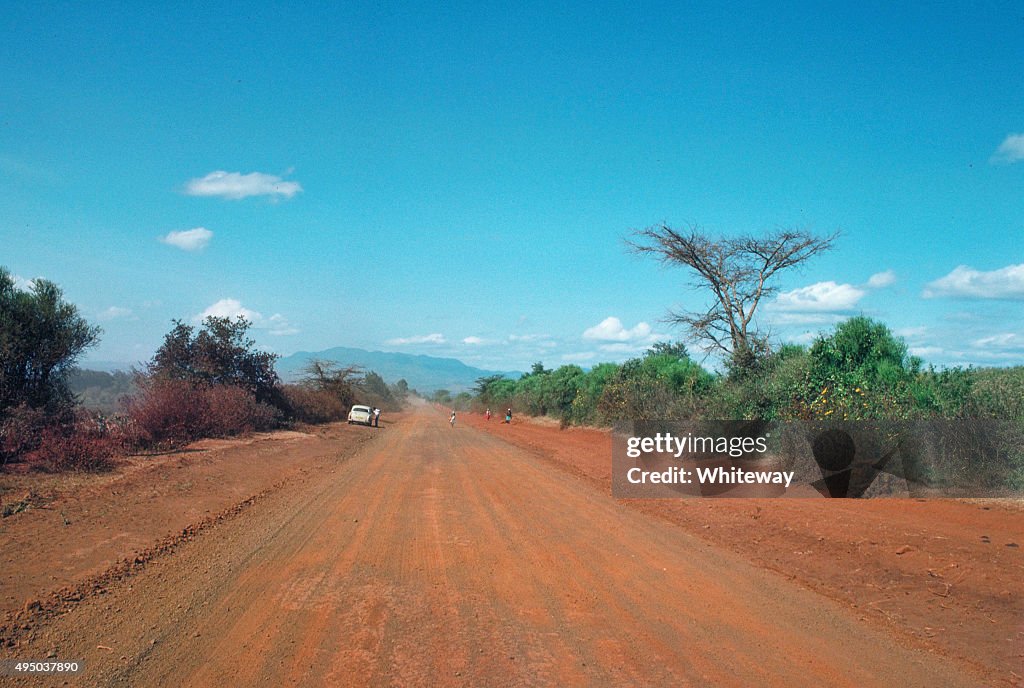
column 423, row 555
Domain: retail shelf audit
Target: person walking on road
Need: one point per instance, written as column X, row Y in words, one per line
column 376, row 417
column 452, row 419
column 508, row 415
column 488, row 414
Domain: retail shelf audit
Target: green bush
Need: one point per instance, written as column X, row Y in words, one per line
column 41, row 337
column 859, row 371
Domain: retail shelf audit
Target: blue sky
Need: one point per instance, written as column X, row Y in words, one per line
column 459, row 181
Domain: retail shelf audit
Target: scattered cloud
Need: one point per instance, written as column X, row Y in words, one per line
column 926, row 351
column 435, row 338
column 22, row 284
column 967, row 283
column 804, row 338
column 616, row 338
column 611, row 329
column 115, row 312
column 821, row 297
column 1008, row 342
column 477, row 341
column 279, row 326
column 880, row 280
column 1011, row 150
column 229, row 308
column 276, row 324
column 235, row 185
column 188, row 239
column 580, row 357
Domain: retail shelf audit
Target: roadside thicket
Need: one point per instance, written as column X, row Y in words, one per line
column 212, row 381
column 209, row 380
column 41, row 337
column 859, row 370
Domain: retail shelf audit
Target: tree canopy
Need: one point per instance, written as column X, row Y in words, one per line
column 218, row 353
column 738, row 273
column 41, row 337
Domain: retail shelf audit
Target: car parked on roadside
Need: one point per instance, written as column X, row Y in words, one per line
column 361, row 414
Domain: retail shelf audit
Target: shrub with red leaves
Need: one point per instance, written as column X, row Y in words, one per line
column 233, row 410
column 81, row 446
column 65, row 441
column 167, row 413
column 313, row 406
column 20, row 430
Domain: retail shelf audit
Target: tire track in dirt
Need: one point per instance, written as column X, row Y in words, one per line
column 447, row 557
column 626, row 608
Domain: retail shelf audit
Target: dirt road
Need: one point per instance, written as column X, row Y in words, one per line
column 440, row 556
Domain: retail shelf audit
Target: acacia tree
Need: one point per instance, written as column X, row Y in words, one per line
column 330, row 377
column 738, row 272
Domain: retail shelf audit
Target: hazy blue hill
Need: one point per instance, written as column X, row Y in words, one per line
column 423, row 373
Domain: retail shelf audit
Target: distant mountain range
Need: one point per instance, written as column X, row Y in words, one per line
column 423, row 373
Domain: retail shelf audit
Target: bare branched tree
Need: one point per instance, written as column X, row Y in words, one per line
column 333, row 378
column 738, row 272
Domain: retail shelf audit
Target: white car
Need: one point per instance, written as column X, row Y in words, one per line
column 361, row 414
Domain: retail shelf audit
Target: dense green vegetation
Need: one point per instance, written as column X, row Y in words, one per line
column 211, row 380
column 204, row 381
column 41, row 337
column 859, row 370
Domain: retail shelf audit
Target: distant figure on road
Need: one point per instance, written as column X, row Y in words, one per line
column 488, row 414
column 508, row 415
column 376, row 417
column 452, row 419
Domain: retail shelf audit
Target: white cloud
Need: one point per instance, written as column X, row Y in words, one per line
column 189, row 239
column 880, row 280
column 276, row 324
column 966, row 282
column 1011, row 150
column 1006, row 348
column 475, row 341
column 435, row 338
column 822, row 297
column 22, row 284
column 229, row 308
column 926, row 351
column 611, row 329
column 527, row 337
column 1001, row 343
column 279, row 326
column 235, row 185
column 115, row 312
